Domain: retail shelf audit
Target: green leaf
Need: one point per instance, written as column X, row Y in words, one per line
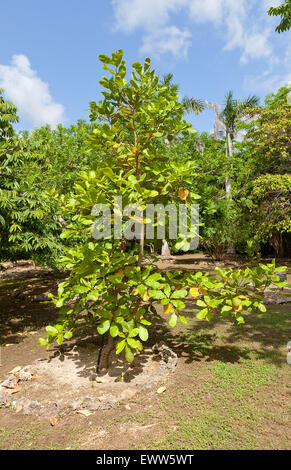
column 262, row 307
column 120, row 346
column 134, row 332
column 178, row 303
column 42, row 341
column 68, row 335
column 105, row 325
column 183, row 319
column 202, row 314
column 134, row 343
column 60, row 339
column 137, row 66
column 179, row 294
column 114, row 331
column 157, row 294
column 80, row 289
column 143, row 333
column 129, row 354
column 105, row 59
column 52, row 331
column 201, row 303
column 173, row 320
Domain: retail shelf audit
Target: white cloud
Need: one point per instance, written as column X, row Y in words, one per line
column 244, row 26
column 256, row 46
column 168, row 39
column 29, row 93
column 149, row 14
column 267, row 82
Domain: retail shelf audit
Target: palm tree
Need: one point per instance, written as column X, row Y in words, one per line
column 191, row 105
column 227, row 120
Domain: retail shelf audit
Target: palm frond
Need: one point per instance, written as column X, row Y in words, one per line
column 193, row 105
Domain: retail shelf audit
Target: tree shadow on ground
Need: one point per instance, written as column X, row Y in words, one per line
column 261, row 338
column 20, row 312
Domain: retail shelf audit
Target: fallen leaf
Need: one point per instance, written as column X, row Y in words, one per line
column 150, row 368
column 84, row 412
column 10, row 344
column 18, row 408
column 53, row 421
column 161, row 389
column 37, row 376
column 16, row 369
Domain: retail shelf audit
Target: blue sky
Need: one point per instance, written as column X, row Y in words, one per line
column 49, row 51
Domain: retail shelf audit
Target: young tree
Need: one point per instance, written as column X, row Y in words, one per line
column 110, row 287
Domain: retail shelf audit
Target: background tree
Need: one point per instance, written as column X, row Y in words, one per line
column 268, row 135
column 8, row 117
column 271, row 209
column 284, row 11
column 228, row 118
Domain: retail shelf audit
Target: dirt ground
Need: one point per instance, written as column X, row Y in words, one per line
column 230, row 389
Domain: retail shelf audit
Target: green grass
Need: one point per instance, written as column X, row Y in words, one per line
column 222, row 412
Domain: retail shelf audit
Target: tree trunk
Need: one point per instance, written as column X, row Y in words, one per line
column 229, row 153
column 278, row 244
column 106, row 350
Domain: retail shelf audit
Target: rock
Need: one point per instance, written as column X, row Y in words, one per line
column 31, row 407
column 10, row 382
column 75, row 403
column 23, row 375
column 91, row 403
column 84, row 412
column 128, row 393
column 13, row 371
column 4, row 399
column 40, row 298
column 101, row 380
column 169, row 358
